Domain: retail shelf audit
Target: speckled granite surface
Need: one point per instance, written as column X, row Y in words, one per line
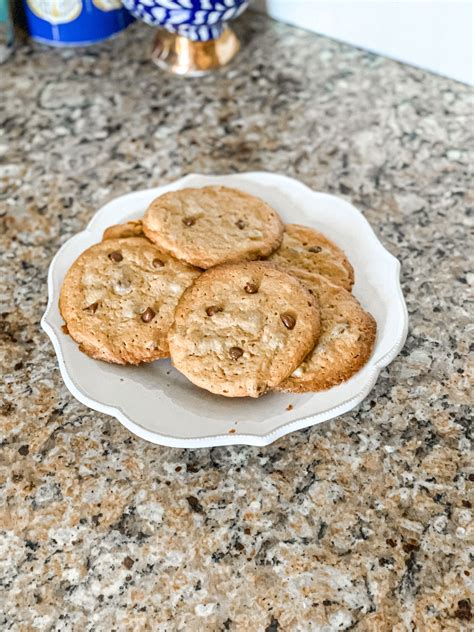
column 363, row 523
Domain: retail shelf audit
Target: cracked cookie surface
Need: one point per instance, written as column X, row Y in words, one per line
column 213, row 225
column 307, row 250
column 132, row 228
column 118, row 299
column 346, row 340
column 241, row 329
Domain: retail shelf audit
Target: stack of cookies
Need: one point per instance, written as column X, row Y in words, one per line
column 242, row 303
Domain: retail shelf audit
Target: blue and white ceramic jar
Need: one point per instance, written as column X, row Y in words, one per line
column 198, row 20
column 194, row 38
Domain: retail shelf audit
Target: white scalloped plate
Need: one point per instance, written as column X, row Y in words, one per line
column 157, row 403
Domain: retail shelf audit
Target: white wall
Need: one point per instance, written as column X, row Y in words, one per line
column 437, row 36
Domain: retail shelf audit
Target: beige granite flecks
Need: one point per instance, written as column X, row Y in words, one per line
column 362, row 523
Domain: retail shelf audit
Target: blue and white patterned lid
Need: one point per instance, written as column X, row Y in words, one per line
column 198, row 20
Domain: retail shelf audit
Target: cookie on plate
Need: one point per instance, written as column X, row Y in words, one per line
column 118, row 299
column 213, row 225
column 345, row 343
column 308, row 250
column 132, row 228
column 241, row 329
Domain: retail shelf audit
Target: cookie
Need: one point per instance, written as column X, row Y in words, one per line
column 118, row 299
column 213, row 225
column 242, row 328
column 308, row 250
column 132, row 228
column 345, row 343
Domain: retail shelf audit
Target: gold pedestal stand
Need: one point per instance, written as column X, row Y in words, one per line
column 182, row 56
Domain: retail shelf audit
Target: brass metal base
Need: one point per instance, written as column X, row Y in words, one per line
column 182, row 56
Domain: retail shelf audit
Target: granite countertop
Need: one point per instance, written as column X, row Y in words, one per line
column 361, row 523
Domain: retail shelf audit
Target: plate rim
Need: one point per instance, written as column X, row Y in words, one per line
column 375, row 364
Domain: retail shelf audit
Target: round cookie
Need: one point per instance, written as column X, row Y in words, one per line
column 118, row 299
column 241, row 329
column 345, row 343
column 308, row 250
column 213, row 225
column 132, row 228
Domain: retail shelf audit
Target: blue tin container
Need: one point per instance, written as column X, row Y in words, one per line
column 75, row 22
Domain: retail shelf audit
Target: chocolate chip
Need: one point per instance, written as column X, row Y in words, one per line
column 213, row 309
column 189, row 221
column 23, row 450
column 240, row 224
column 115, row 256
column 158, row 263
column 251, row 288
column 148, row 315
column 91, row 308
column 315, row 249
column 288, row 320
column 235, row 353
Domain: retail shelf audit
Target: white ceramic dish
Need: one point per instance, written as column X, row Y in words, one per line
column 157, row 403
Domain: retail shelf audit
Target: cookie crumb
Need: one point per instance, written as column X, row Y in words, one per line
column 231, row 431
column 289, row 407
column 65, row 330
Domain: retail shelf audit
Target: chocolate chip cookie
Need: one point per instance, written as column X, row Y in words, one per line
column 118, row 299
column 308, row 250
column 345, row 343
column 213, row 225
column 132, row 228
column 241, row 329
